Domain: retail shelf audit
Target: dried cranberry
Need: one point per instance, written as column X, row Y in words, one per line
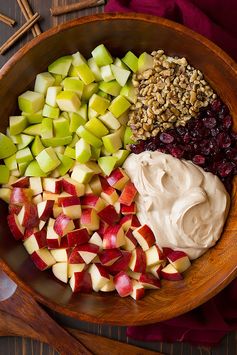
column 138, row 148
column 181, row 130
column 198, row 159
column 177, row 152
column 216, row 105
column 227, row 122
column 166, row 138
column 223, row 140
column 209, row 122
column 225, row 168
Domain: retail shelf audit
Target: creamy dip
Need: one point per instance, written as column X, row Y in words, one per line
column 185, row 206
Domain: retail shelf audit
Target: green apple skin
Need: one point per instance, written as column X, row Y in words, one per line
column 22, row 167
column 104, row 152
column 58, row 78
column 95, row 153
column 51, row 96
column 25, row 141
column 33, row 169
column 107, row 164
column 145, row 61
column 61, row 127
column 50, row 111
column 131, row 60
column 83, row 151
column 127, row 139
column 56, row 141
column 15, row 139
column 68, row 101
column 33, row 130
column 119, row 105
column 95, row 69
column 76, row 120
column 129, row 91
column 75, row 139
column 109, row 120
column 11, row 162
column 70, row 152
column 119, row 63
column 24, row 155
column 73, row 84
column 96, row 127
column 78, row 59
column 85, row 74
column 89, row 137
column 121, row 75
column 7, row 147
column 99, row 104
column 61, row 66
column 30, row 101
column 112, row 87
column 66, row 164
column 106, row 73
column 89, row 90
column 4, row 174
column 33, row 118
column 112, row 142
column 121, row 156
column 37, row 146
column 48, row 160
column 17, row 124
column 82, row 174
column 102, row 56
column 47, row 128
column 103, row 94
column 83, row 111
column 43, row 81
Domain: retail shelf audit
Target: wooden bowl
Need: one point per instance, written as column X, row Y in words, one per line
column 120, row 33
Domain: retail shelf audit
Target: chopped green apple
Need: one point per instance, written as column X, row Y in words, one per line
column 129, row 91
column 4, row 174
column 95, row 153
column 102, row 56
column 59, row 149
column 25, row 141
column 51, row 95
column 119, row 63
column 104, row 152
column 24, row 155
column 92, row 113
column 83, row 151
column 70, row 152
column 16, row 139
column 78, row 59
column 82, row 173
column 89, row 137
column 106, row 73
column 73, row 84
column 7, row 147
column 11, row 162
column 76, row 120
column 112, row 87
column 131, row 60
column 145, row 61
column 50, row 111
column 121, row 132
column 112, row 142
column 22, row 167
column 95, row 69
column 107, row 164
column 33, row 130
column 37, row 146
column 127, row 138
column 98, row 104
column 48, row 160
column 93, row 166
column 89, row 90
column 5, row 194
column 96, row 127
column 109, row 120
column 46, row 128
column 43, row 81
column 123, row 119
column 65, row 115
column 75, row 139
column 58, row 78
column 33, row 118
column 33, row 169
column 119, row 105
column 66, row 164
column 31, row 101
column 56, row 141
column 120, row 74
column 61, row 127
column 61, row 65
column 68, row 101
column 83, row 111
column 121, row 156
column 17, row 124
column 103, row 94
column 85, row 74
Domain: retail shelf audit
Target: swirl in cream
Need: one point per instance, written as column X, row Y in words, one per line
column 185, row 206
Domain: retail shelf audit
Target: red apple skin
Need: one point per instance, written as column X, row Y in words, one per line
column 20, row 196
column 146, row 233
column 171, row 276
column 128, row 194
column 75, row 257
column 89, row 247
column 59, row 224
column 70, row 187
column 121, row 264
column 39, row 263
column 78, row 237
column 53, row 243
column 56, row 186
column 29, row 232
column 109, row 256
column 89, row 200
column 111, row 236
column 102, row 228
column 48, row 210
column 140, row 293
column 125, row 210
column 159, row 267
column 123, row 284
column 126, row 222
column 109, row 215
column 22, row 182
column 16, row 232
column 14, row 209
column 175, row 255
column 104, row 183
column 135, row 222
column 82, row 282
column 140, row 264
column 167, row 251
column 115, row 176
column 103, row 272
column 40, row 236
column 130, row 235
column 30, row 219
column 63, row 243
column 70, row 201
column 147, row 280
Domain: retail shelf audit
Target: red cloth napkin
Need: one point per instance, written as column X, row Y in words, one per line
column 215, row 19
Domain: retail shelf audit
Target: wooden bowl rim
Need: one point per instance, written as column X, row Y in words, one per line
column 104, row 17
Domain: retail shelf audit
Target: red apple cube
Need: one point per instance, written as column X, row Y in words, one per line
column 149, row 281
column 45, row 209
column 154, row 256
column 42, row 259
column 156, row 270
column 118, row 178
column 102, row 228
column 113, row 237
column 60, row 255
column 64, row 242
column 52, row 185
column 123, row 284
column 126, row 222
column 57, row 210
column 130, row 241
column 90, row 219
column 110, row 195
column 63, row 225
column 35, row 241
column 99, row 276
column 37, row 199
column 16, row 228
column 166, row 251
column 109, row 286
column 138, row 260
column 135, row 222
column 97, row 240
column 53, row 239
column 75, row 268
column 36, row 185
column 144, row 236
column 28, row 216
column 170, row 273
column 71, row 206
column 138, row 290
column 104, row 183
column 179, row 260
column 74, row 257
column 132, row 209
column 81, row 282
column 24, row 182
column 128, row 194
column 121, row 264
column 133, row 275
column 60, row 271
column 88, row 252
column 109, row 256
column 73, row 187
column 109, row 215
column 92, row 201
column 29, row 232
column 117, row 207
column 50, row 196
column 95, row 185
column 20, row 196
column 78, row 237
column 14, row 209
column 61, row 197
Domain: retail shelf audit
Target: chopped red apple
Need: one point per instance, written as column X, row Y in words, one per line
column 14, row 209
column 60, row 255
column 88, row 252
column 132, row 209
column 63, row 225
column 130, row 241
column 144, row 236
column 128, row 194
column 110, row 195
column 109, row 286
column 138, row 260
column 95, row 185
column 81, row 282
column 93, row 201
column 53, row 239
column 121, row 264
column 77, row 237
column 71, row 206
column 75, row 268
column 109, row 256
column 36, row 185
column 35, row 241
column 50, row 196
column 42, row 259
column 37, row 199
column 135, row 222
column 126, row 222
column 149, row 281
column 109, row 215
column 29, row 232
column 20, row 196
column 57, row 210
column 97, row 240
column 123, row 284
column 28, row 216
column 16, row 228
column 52, row 185
column 74, row 257
column 45, row 209
column 113, row 237
column 138, row 290
column 134, row 275
column 24, row 181
column 166, row 251
column 90, row 219
column 170, row 273
column 118, row 178
column 156, row 270
column 102, row 228
column 99, row 276
column 60, row 271
column 154, row 256
column 179, row 260
column 73, row 187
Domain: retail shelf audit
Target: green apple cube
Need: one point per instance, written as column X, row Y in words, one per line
column 56, row 141
column 95, row 69
column 22, row 167
column 110, row 121
column 73, row 84
column 103, row 94
column 78, row 59
column 121, row 132
column 118, row 62
column 48, row 160
column 59, row 149
column 89, row 137
column 129, row 91
column 33, row 118
column 65, row 114
column 46, row 128
column 61, row 66
column 50, row 111
column 37, row 146
column 68, row 101
column 112, row 87
column 17, row 124
column 92, row 113
column 25, row 141
column 85, row 74
column 11, row 162
column 61, row 127
column 16, row 139
column 131, row 61
column 24, row 155
column 74, row 140
column 121, row 156
column 99, row 104
column 58, row 78
column 4, row 174
column 76, row 120
column 120, row 74
column 119, row 105
column 33, row 169
column 89, row 90
column 145, row 61
column 104, row 152
column 66, row 164
column 70, row 152
column 106, row 73
column 82, row 173
column 51, row 95
column 107, row 164
column 7, row 147
column 83, row 111
column 96, row 127
column 102, row 56
column 123, row 119
column 112, row 142
column 127, row 139
column 83, row 151
column 95, row 153
column 31, row 101
column 33, row 130
column 73, row 72
column 43, row 81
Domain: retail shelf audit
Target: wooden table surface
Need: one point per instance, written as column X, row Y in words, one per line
column 20, row 346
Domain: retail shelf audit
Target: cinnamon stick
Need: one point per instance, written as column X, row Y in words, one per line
column 19, row 33
column 27, row 12
column 7, row 20
column 84, row 4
